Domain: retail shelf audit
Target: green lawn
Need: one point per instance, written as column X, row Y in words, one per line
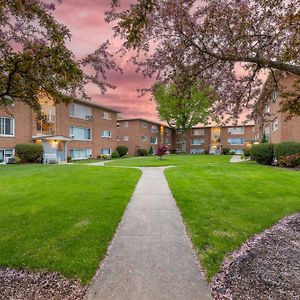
column 169, row 160
column 225, row 204
column 61, row 218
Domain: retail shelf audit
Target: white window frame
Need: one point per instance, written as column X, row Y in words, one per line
column 144, row 138
column 88, row 150
column 109, row 151
column 86, row 117
column 12, row 125
column 156, row 140
column 76, row 139
column 106, row 115
column 126, row 124
column 228, row 143
column 104, row 135
column 126, row 138
column 197, row 151
column 267, row 131
column 275, row 124
column 202, row 142
column 235, row 130
column 200, row 130
column 168, row 140
column 5, row 156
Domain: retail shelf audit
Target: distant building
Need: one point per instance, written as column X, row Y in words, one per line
column 271, row 123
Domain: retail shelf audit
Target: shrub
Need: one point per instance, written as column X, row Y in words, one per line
column 231, row 152
column 69, row 158
column 290, row 161
column 150, row 151
column 246, row 152
column 29, row 153
column 286, row 149
column 262, row 153
column 142, row 152
column 226, row 150
column 161, row 151
column 115, row 154
column 122, row 150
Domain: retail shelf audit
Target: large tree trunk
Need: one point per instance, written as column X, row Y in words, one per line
column 183, row 145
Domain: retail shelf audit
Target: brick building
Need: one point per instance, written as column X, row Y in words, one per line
column 80, row 130
column 269, row 121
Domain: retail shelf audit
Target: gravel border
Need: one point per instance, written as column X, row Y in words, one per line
column 267, row 266
column 23, row 284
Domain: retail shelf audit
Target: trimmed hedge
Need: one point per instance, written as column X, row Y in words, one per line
column 263, row 153
column 29, row 153
column 142, row 152
column 286, row 149
column 115, row 154
column 122, row 150
column 226, row 150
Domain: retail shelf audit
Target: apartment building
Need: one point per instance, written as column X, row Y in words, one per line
column 142, row 134
column 269, row 122
column 81, row 130
column 213, row 139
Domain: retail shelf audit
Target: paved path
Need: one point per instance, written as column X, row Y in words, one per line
column 151, row 257
column 236, row 159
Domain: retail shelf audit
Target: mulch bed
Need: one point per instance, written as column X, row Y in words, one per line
column 267, row 266
column 23, row 285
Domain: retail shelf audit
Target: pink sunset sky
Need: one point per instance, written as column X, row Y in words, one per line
column 85, row 19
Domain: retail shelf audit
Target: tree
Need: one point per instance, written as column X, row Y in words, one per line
column 161, row 151
column 182, row 108
column 34, row 58
column 231, row 44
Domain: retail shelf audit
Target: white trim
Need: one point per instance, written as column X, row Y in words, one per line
column 13, row 127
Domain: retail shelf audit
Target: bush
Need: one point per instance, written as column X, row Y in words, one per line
column 142, row 152
column 151, row 151
column 231, row 152
column 290, row 161
column 69, row 158
column 122, row 150
column 226, row 150
column 246, row 152
column 29, row 153
column 115, row 154
column 161, row 151
column 286, row 149
column 262, row 153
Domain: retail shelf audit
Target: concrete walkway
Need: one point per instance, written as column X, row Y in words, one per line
column 151, row 256
column 236, row 159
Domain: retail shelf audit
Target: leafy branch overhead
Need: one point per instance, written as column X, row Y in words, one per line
column 34, row 57
column 231, row 44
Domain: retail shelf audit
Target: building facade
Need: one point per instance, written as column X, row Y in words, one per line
column 269, row 122
column 80, row 130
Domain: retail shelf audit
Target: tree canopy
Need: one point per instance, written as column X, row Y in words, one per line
column 230, row 44
column 34, row 57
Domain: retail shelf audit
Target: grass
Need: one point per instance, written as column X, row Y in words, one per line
column 225, row 204
column 61, row 218
column 169, row 160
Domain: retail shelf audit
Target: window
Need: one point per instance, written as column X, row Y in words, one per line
column 106, row 151
column 126, row 138
column 7, row 126
column 153, row 140
column 144, row 124
column 168, row 131
column 80, row 111
column 198, row 131
column 80, row 133
column 5, row 154
column 267, row 132
column 144, row 138
column 275, row 96
column 106, row 115
column 154, row 128
column 275, row 124
column 168, row 140
column 197, row 151
column 236, row 130
column 105, row 133
column 235, row 141
column 126, row 124
column 80, row 153
column 197, row 142
column 117, row 139
column 267, row 109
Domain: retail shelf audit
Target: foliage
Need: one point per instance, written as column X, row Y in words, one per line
column 69, row 158
column 151, row 151
column 161, row 151
column 286, row 148
column 264, row 139
column 115, row 154
column 263, row 153
column 142, row 152
column 61, row 219
column 225, row 216
column 226, row 150
column 247, row 152
column 35, row 60
column 122, row 150
column 213, row 40
column 29, row 153
column 290, row 161
column 183, row 104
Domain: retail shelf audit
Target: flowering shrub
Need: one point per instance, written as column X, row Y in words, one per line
column 161, row 151
column 290, row 161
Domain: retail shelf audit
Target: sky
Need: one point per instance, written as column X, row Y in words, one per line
column 85, row 19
